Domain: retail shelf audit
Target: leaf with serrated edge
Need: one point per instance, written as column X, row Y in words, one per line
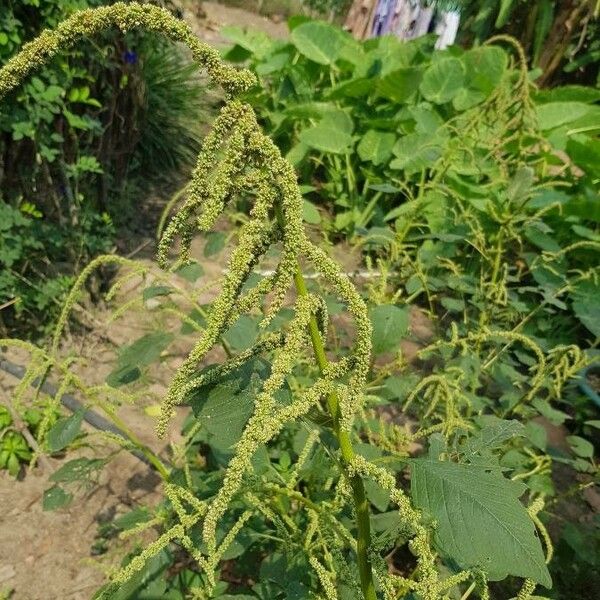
column 480, row 522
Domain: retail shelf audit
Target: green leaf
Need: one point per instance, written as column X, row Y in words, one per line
column 568, row 93
column 141, row 353
column 580, row 446
column 492, row 435
column 326, row 137
column 256, row 42
column 318, row 41
column 242, row 334
column 376, row 146
column 485, row 66
column 156, row 290
column 586, row 305
column 400, row 85
column 146, row 349
column 123, row 375
column 55, row 497
column 224, row 408
column 64, row 431
column 390, row 325
column 190, row 272
column 504, row 13
column 416, row 151
column 480, row 522
column 310, row 214
column 79, row 469
column 555, row 114
column 215, row 242
column 453, row 304
column 443, row 80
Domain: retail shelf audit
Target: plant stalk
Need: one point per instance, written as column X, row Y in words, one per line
column 361, row 504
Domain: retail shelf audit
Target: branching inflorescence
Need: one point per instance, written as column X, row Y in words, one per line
column 236, row 160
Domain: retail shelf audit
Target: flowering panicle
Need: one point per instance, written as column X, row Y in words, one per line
column 238, row 160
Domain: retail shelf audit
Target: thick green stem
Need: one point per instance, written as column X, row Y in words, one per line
column 361, row 504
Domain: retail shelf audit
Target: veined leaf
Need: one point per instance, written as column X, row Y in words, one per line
column 224, row 407
column 443, row 80
column 318, row 41
column 64, row 431
column 480, row 522
column 55, row 497
column 401, row 84
column 376, row 146
column 326, row 138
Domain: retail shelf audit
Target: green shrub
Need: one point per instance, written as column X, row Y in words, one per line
column 81, row 141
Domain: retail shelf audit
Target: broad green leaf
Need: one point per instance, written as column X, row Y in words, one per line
column 493, row 434
column 376, row 146
column 520, row 185
column 568, row 93
column 215, row 242
column 146, row 349
column 156, row 290
column 224, row 408
column 480, row 522
column 340, row 119
column 190, row 272
column 132, row 518
column 453, row 304
column 580, row 446
column 326, row 137
column 485, row 67
column 55, row 497
column 555, row 114
column 123, row 375
column 587, row 306
column 64, row 431
column 256, row 42
column 141, row 353
column 355, row 88
column 390, row 325
column 400, row 85
column 310, row 213
column 585, row 153
column 416, row 151
column 318, row 41
column 443, row 80
column 242, row 334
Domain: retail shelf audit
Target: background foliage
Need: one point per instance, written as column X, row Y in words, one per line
column 472, row 196
column 80, row 141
